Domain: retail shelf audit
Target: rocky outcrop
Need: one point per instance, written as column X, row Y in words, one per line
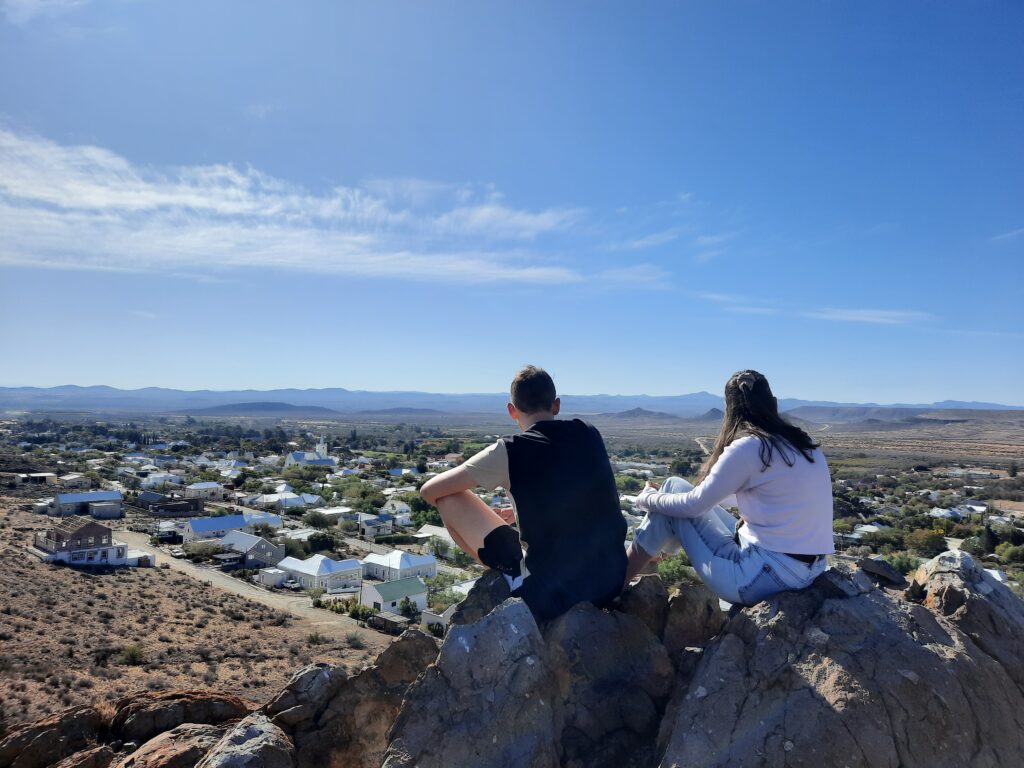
column 255, row 742
column 338, row 720
column 492, row 679
column 51, row 739
column 139, row 717
column 849, row 672
column 180, row 747
column 842, row 677
column 97, row 757
column 585, row 691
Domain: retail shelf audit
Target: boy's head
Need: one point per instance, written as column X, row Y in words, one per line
column 533, row 392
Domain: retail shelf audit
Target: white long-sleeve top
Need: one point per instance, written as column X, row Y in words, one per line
column 785, row 508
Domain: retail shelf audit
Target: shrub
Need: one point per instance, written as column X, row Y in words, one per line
column 435, row 629
column 676, row 570
column 355, row 640
column 902, row 562
column 132, row 654
column 928, row 543
column 315, row 638
column 361, row 612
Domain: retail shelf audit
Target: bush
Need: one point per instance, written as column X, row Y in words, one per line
column 1010, row 553
column 902, row 562
column 361, row 612
column 315, row 638
column 355, row 640
column 315, row 519
column 435, row 629
column 972, row 546
column 676, row 569
column 928, row 543
column 132, row 654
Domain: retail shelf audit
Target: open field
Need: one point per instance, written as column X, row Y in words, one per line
column 71, row 637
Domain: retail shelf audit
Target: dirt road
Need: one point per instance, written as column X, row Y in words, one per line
column 297, row 605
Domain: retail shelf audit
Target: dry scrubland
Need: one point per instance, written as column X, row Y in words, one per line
column 71, row 637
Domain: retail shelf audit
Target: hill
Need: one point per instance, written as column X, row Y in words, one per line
column 264, row 410
column 637, row 414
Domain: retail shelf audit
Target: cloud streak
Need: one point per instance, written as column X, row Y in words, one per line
column 84, row 207
column 23, row 11
column 869, row 316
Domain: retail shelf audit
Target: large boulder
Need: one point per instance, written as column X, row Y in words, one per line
column 255, row 742
column 831, row 676
column 337, row 720
column 587, row 690
column 180, row 747
column 50, row 739
column 143, row 715
column 612, row 678
column 487, row 702
column 489, row 591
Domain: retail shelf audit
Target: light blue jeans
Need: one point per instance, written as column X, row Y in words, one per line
column 739, row 573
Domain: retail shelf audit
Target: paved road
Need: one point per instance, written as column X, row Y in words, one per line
column 297, row 605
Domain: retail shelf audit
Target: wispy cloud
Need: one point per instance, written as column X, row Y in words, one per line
column 871, row 316
column 703, row 257
column 23, row 11
column 1013, row 233
column 84, row 207
column 647, row 241
column 144, row 314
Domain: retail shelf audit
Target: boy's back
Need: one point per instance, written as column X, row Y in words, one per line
column 567, row 507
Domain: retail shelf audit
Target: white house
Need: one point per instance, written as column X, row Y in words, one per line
column 396, row 507
column 399, row 564
column 317, row 458
column 427, row 532
column 388, row 595
column 320, row 571
column 75, row 480
column 156, row 479
column 79, row 541
column 373, row 525
column 209, row 491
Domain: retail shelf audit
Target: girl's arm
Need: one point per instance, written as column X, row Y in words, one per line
column 731, row 473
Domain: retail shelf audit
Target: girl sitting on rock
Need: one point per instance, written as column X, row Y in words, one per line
column 783, row 490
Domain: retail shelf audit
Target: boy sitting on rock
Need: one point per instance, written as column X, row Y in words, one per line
column 569, row 547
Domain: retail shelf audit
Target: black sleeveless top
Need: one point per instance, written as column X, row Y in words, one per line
column 569, row 516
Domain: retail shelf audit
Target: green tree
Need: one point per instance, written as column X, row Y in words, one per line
column 316, row 519
column 928, row 543
column 438, row 547
column 407, row 608
column 320, row 542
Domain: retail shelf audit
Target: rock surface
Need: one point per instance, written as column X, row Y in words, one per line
column 142, row 716
column 49, row 740
column 97, row 757
column 647, row 600
column 824, row 677
column 490, row 591
column 338, row 720
column 255, row 742
column 486, row 703
column 180, row 747
column 694, row 618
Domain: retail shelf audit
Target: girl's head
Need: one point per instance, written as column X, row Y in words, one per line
column 751, row 409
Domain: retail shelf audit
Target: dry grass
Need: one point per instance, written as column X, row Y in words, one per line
column 71, row 637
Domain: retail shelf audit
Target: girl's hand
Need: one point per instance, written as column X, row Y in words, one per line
column 651, row 484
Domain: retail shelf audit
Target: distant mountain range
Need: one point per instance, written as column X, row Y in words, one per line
column 158, row 400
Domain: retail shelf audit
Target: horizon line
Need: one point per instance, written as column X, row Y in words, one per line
column 492, row 394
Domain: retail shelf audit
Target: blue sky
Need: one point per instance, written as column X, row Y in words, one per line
column 642, row 198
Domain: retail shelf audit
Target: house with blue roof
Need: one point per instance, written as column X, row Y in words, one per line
column 200, row 528
column 103, row 504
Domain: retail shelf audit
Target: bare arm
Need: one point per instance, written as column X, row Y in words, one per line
column 446, row 484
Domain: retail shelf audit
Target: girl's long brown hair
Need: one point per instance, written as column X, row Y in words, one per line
column 751, row 408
